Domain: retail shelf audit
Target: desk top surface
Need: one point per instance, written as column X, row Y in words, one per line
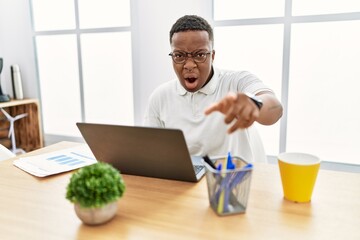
column 36, row 208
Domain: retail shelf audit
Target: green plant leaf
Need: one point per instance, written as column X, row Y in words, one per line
column 95, row 185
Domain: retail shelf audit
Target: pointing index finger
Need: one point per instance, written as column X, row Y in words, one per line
column 214, row 107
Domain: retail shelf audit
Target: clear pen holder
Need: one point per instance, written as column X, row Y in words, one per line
column 228, row 190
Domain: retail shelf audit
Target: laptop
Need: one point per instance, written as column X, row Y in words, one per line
column 143, row 151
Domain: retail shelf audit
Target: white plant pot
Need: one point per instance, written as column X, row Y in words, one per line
column 95, row 216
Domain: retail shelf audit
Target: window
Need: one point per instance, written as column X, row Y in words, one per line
column 107, row 82
column 309, row 55
column 59, row 83
column 245, row 9
column 312, row 7
column 53, row 15
column 84, row 63
column 255, row 47
column 109, row 13
column 324, row 70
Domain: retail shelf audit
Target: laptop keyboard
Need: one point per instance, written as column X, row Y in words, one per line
column 198, row 168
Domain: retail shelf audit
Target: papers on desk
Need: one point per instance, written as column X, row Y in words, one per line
column 56, row 162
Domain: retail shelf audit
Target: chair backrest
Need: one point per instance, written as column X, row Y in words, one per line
column 5, row 153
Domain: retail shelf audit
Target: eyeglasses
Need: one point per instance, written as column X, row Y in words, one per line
column 181, row 57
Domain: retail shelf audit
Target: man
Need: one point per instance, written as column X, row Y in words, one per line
column 204, row 100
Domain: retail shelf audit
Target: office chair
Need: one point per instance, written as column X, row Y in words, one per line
column 5, row 153
column 12, row 120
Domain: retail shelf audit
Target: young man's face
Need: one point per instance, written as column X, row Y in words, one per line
column 193, row 75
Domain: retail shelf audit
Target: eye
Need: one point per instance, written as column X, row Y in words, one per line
column 178, row 55
column 200, row 54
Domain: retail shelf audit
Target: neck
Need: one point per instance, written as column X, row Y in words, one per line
column 210, row 76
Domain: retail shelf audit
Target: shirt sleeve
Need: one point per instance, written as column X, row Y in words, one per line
column 251, row 83
column 152, row 113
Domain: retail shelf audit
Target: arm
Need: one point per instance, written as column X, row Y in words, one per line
column 272, row 109
column 240, row 107
column 152, row 116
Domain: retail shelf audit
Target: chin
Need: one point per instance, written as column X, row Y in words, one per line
column 192, row 90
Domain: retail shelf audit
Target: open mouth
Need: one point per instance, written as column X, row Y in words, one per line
column 191, row 80
column 191, row 83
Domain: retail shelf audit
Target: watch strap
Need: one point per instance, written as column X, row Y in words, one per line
column 258, row 102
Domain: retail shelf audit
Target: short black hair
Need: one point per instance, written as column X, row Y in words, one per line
column 192, row 23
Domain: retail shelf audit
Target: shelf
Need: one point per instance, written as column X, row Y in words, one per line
column 28, row 129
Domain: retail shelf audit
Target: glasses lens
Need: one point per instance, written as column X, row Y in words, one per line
column 200, row 56
column 179, row 57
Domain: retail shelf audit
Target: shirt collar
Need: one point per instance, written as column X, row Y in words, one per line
column 209, row 88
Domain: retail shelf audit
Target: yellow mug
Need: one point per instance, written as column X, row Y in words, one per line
column 298, row 175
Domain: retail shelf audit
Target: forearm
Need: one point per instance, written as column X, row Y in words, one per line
column 271, row 110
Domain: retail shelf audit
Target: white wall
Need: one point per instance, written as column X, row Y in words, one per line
column 16, row 46
column 151, row 22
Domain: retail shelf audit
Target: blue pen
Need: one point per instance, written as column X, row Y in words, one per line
column 238, row 178
column 240, row 175
column 223, row 197
column 230, row 164
column 231, row 182
column 226, row 190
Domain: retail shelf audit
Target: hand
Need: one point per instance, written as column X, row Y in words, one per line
column 236, row 106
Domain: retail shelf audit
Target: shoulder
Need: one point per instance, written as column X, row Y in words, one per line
column 230, row 75
column 243, row 81
column 235, row 79
column 163, row 90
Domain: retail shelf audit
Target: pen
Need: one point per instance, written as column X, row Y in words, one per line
column 208, row 161
column 240, row 175
column 230, row 164
column 223, row 199
column 228, row 180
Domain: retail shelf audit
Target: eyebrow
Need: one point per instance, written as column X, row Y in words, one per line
column 198, row 50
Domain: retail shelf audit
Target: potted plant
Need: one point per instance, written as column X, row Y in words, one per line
column 94, row 190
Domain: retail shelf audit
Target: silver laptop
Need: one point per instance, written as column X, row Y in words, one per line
column 143, row 151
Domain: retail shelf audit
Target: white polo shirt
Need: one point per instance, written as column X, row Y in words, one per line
column 171, row 106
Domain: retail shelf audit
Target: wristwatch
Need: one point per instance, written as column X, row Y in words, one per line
column 255, row 99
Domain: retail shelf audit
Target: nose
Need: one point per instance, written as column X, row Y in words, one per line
column 189, row 64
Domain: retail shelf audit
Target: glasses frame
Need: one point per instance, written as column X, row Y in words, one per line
column 191, row 56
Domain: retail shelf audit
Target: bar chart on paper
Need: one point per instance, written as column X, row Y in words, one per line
column 57, row 162
column 72, row 159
